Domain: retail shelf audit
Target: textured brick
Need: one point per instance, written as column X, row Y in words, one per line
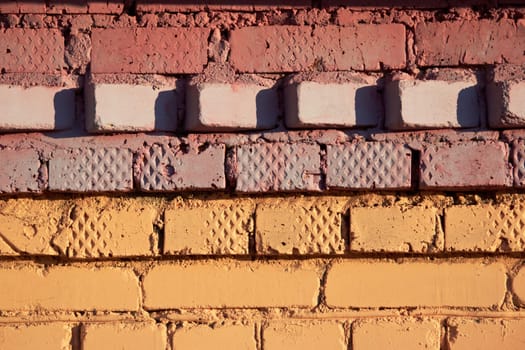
column 149, row 50
column 518, row 285
column 54, row 336
column 20, row 171
column 22, row 6
column 485, row 333
column 234, row 284
column 91, row 169
column 204, row 337
column 420, row 104
column 300, row 227
column 301, row 48
column 68, row 288
column 368, row 165
column 163, row 168
column 518, row 162
column 486, row 228
column 146, row 107
column 480, row 42
column 31, row 50
column 36, row 108
column 311, row 104
column 278, row 167
column 294, row 335
column 506, row 101
column 209, row 227
column 394, row 229
column 415, row 284
column 223, row 107
column 105, row 7
column 217, row 5
column 467, row 165
column 71, row 7
column 129, row 336
column 408, row 334
column 427, row 4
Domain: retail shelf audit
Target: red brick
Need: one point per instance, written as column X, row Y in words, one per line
column 31, row 50
column 298, row 48
column 468, row 165
column 427, row 4
column 480, row 42
column 20, row 170
column 109, row 7
column 202, row 5
column 72, row 6
column 23, row 6
column 149, row 50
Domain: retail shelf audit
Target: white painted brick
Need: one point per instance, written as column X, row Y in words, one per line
column 421, row 104
column 506, row 104
column 127, row 107
column 225, row 107
column 36, row 108
column 311, row 104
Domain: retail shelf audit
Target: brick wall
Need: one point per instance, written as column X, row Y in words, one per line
column 262, row 174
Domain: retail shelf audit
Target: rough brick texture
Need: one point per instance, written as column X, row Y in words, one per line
column 216, row 5
column 505, row 98
column 304, row 336
column 20, row 171
column 124, row 336
column 486, row 334
column 149, row 50
column 54, row 336
column 203, row 337
column 518, row 285
column 300, row 48
column 518, row 162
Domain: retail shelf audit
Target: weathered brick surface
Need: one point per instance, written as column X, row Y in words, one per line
column 505, row 102
column 216, row 5
column 394, row 229
column 149, row 50
column 91, row 169
column 234, row 284
column 31, row 50
column 163, row 168
column 301, row 48
column 485, row 334
column 300, row 227
column 482, row 42
column 21, row 6
column 408, row 334
column 20, row 171
column 215, row 227
column 36, row 108
column 518, row 162
column 421, row 104
column 226, row 107
column 68, row 288
column 203, row 337
column 53, row 336
column 518, row 285
column 278, row 167
column 368, row 165
column 413, row 284
column 466, row 165
column 294, row 335
column 124, row 336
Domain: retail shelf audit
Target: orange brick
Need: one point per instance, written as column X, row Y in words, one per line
column 485, row 228
column 43, row 337
column 68, row 288
column 480, row 334
column 394, row 229
column 217, row 284
column 407, row 334
column 204, row 337
column 300, row 227
column 304, row 336
column 129, row 336
column 518, row 285
column 413, row 284
column 209, row 227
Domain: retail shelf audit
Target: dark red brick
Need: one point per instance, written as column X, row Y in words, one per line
column 201, row 5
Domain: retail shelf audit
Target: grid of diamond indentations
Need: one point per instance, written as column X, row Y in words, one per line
column 227, row 229
column 507, row 225
column 319, row 229
column 158, row 171
column 518, row 160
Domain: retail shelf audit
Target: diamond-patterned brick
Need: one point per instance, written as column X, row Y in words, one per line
column 149, row 50
column 518, row 161
column 163, row 168
column 278, row 167
column 209, row 227
column 20, row 171
column 368, row 165
column 465, row 165
column 91, row 169
column 31, row 50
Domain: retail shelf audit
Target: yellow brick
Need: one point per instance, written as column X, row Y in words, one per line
column 220, row 283
column 406, row 334
column 203, row 337
column 393, row 229
column 209, row 227
column 489, row 334
column 127, row 336
column 300, row 227
column 412, row 284
column 54, row 336
column 518, row 285
column 485, row 228
column 304, row 336
column 68, row 288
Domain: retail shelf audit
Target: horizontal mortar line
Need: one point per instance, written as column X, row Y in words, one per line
column 410, row 313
